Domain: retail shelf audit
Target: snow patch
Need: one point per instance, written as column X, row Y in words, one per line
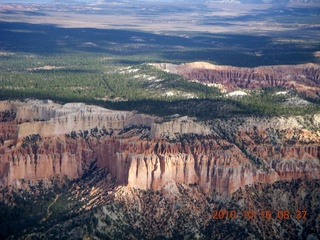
column 236, row 94
column 282, row 93
column 179, row 94
column 297, row 101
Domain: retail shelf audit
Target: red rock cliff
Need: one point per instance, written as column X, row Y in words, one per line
column 304, row 78
column 235, row 153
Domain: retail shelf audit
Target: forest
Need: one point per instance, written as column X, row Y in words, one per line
column 110, row 68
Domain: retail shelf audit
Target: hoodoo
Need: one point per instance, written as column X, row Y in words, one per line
column 42, row 139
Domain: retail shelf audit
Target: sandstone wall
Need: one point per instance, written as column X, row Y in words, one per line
column 222, row 156
column 59, row 119
column 183, row 125
column 304, row 78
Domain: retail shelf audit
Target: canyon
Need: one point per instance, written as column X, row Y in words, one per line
column 41, row 139
column 303, row 78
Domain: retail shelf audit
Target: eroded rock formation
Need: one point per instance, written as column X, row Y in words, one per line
column 144, row 152
column 305, row 78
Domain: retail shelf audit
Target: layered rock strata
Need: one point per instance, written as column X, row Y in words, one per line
column 304, row 78
column 144, row 152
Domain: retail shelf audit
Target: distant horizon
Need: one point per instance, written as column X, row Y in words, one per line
column 79, row 1
column 84, row 1
column 194, row 1
column 25, row 1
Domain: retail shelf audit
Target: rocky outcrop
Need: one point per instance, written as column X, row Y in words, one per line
column 144, row 152
column 183, row 125
column 56, row 119
column 305, row 78
column 42, row 138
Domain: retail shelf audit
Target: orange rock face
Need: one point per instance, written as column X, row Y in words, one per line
column 237, row 152
column 304, row 78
